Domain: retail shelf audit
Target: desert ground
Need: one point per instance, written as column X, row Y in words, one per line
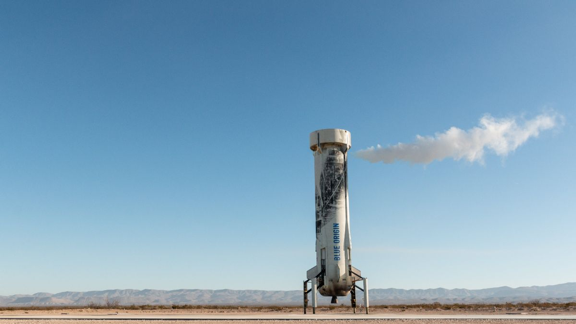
column 395, row 321
column 423, row 309
column 277, row 314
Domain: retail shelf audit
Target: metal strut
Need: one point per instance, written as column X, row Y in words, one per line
column 366, row 298
column 355, row 275
column 306, row 294
column 353, row 298
column 313, row 290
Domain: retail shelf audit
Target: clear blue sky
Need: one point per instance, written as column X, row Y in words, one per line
column 164, row 145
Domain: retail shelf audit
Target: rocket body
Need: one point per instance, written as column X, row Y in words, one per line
column 333, row 244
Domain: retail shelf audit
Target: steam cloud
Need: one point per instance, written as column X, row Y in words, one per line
column 500, row 135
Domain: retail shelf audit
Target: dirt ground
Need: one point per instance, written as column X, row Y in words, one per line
column 277, row 310
column 394, row 321
column 296, row 310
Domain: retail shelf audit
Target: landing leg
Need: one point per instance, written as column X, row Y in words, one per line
column 314, row 295
column 366, row 303
column 305, row 295
column 353, row 297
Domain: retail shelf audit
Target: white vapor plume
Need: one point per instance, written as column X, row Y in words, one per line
column 500, row 135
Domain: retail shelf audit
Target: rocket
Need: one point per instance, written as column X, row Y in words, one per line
column 333, row 275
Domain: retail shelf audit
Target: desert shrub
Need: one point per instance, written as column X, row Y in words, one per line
column 112, row 303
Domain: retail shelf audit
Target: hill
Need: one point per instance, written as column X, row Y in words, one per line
column 554, row 293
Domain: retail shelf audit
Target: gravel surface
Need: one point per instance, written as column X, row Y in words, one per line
column 391, row 321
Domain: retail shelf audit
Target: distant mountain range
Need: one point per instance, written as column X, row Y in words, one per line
column 556, row 293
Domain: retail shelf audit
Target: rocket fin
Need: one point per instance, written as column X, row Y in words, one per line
column 312, row 273
column 356, row 274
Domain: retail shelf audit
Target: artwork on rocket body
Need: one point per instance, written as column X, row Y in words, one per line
column 331, row 187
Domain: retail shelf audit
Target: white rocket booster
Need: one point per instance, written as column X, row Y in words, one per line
column 333, row 273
